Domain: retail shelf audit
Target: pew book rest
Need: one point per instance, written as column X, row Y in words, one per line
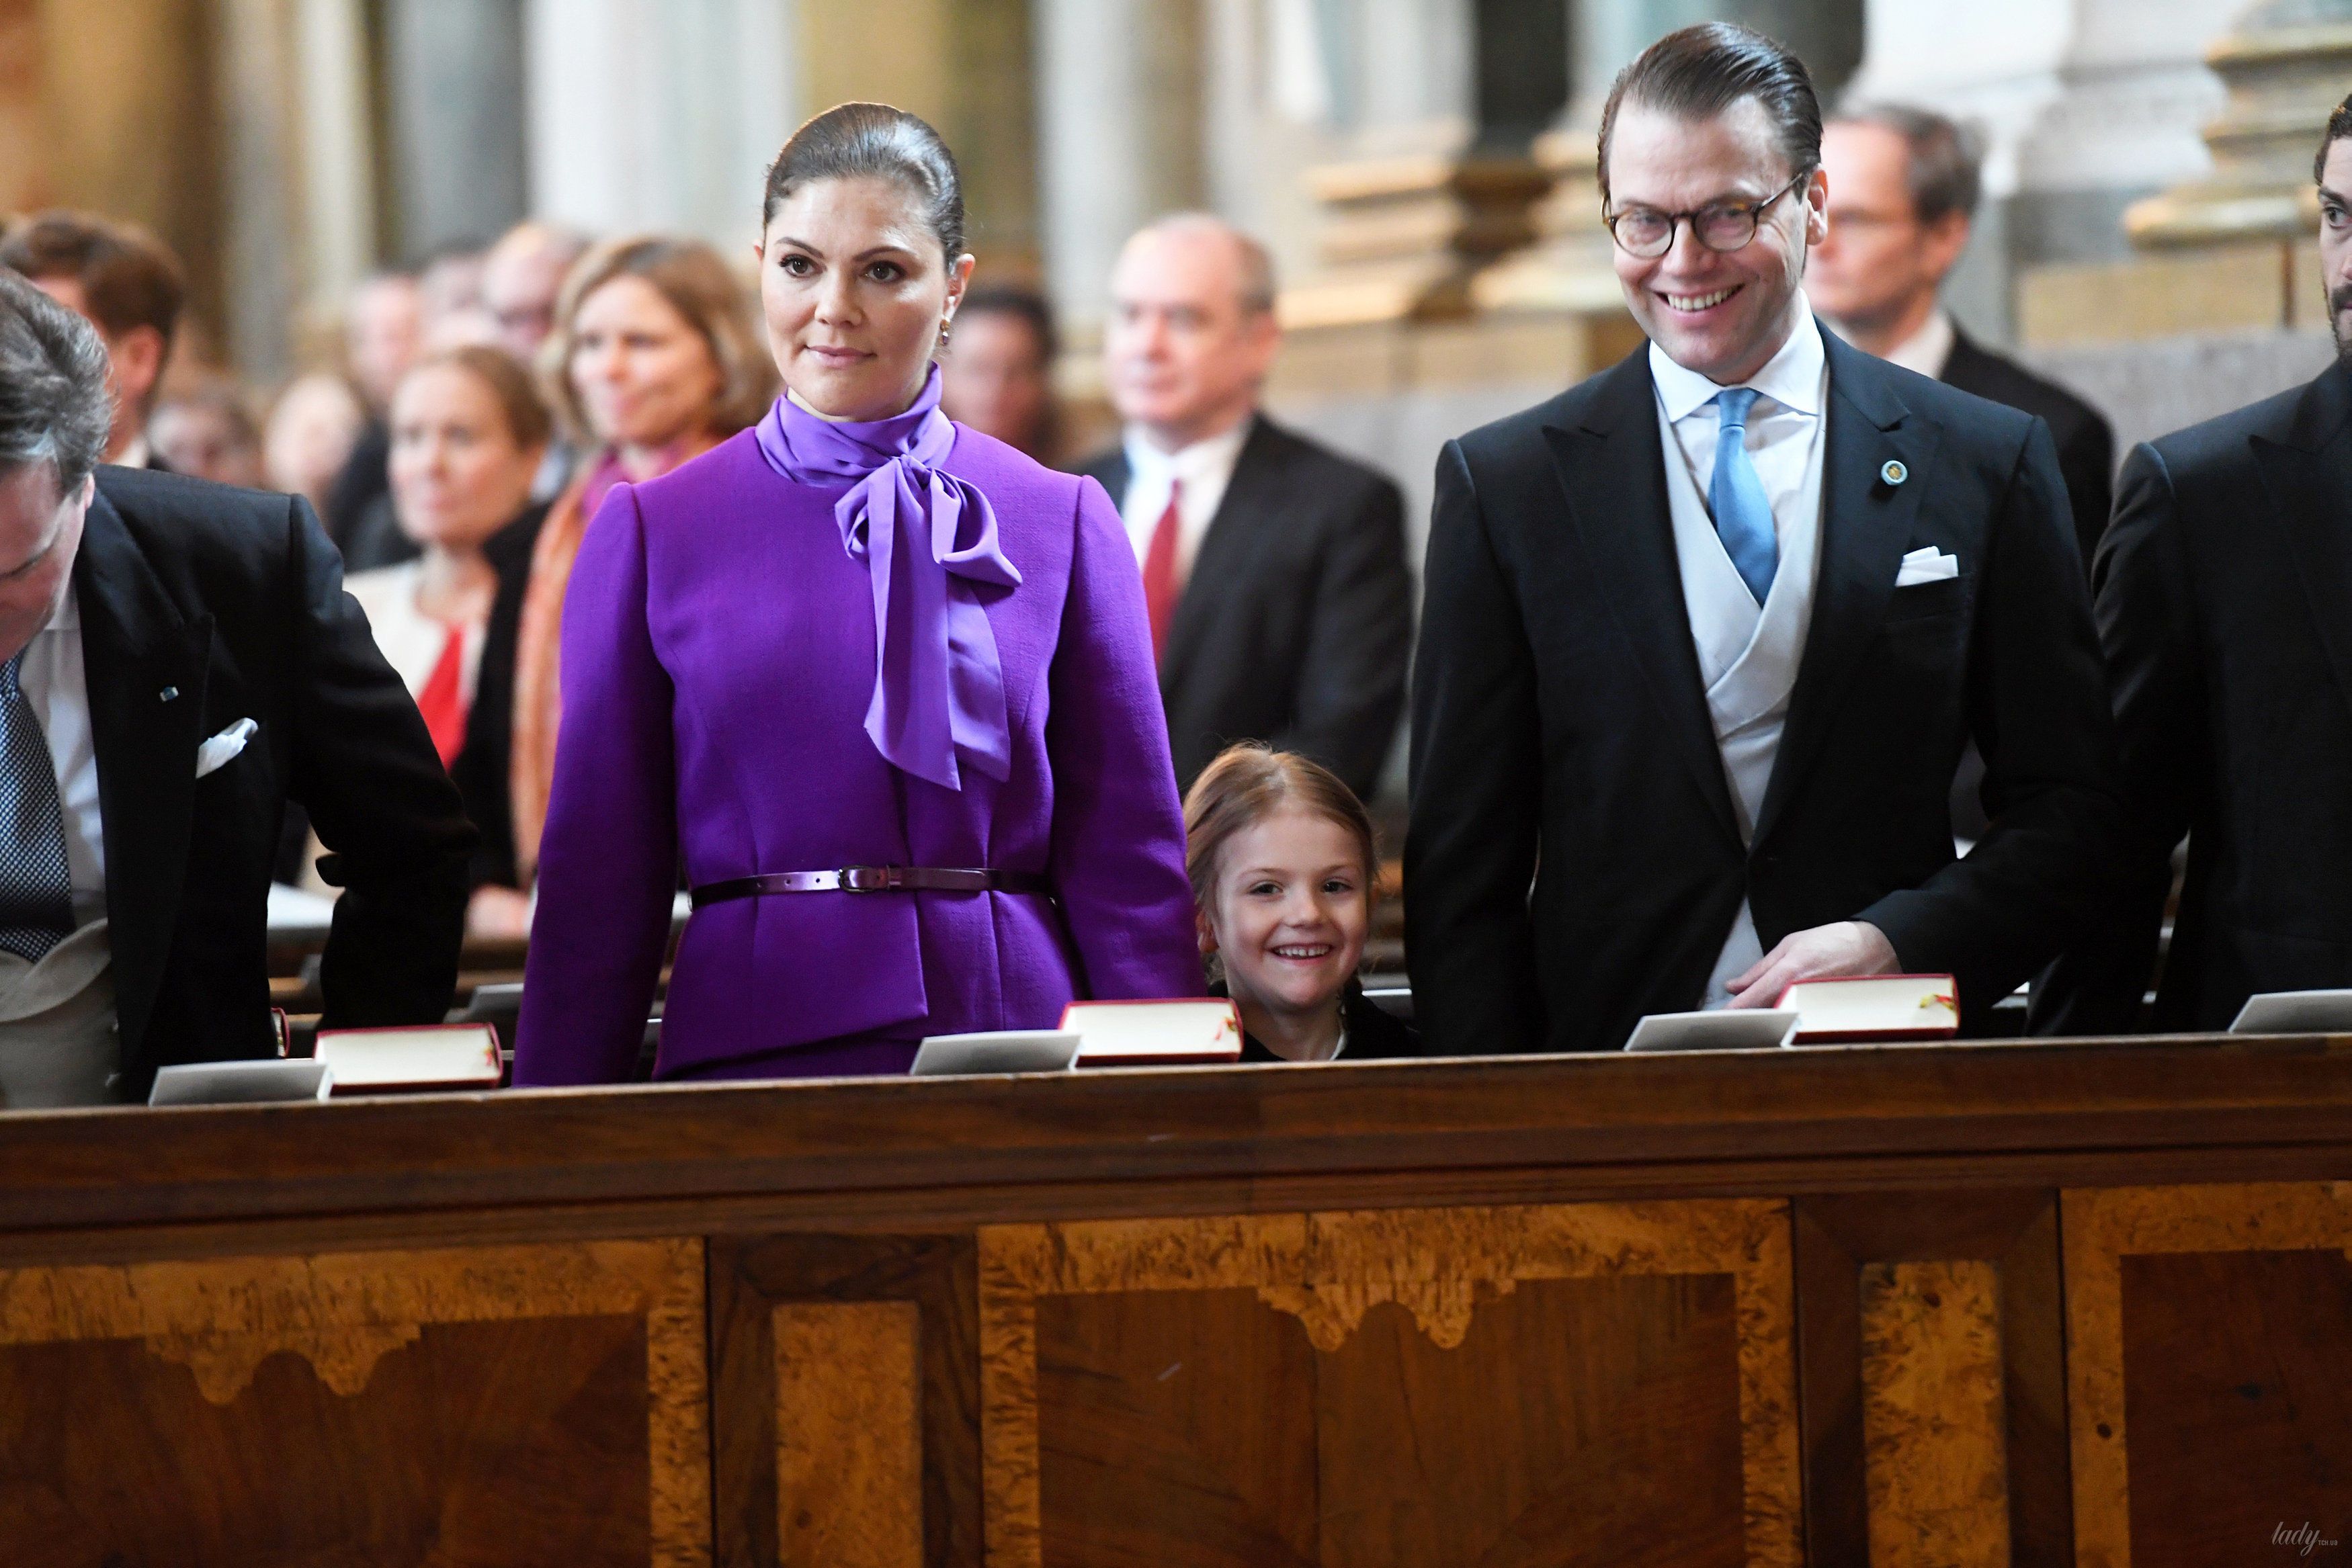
column 2073, row 1302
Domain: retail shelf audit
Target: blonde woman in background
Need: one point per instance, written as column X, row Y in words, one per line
column 654, row 359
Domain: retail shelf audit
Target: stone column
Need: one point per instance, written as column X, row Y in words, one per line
column 2085, row 106
column 649, row 115
column 452, row 82
column 1119, row 131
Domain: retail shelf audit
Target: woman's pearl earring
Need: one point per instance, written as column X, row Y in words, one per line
column 946, row 322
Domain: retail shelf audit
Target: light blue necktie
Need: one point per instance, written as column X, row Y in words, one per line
column 1743, row 517
column 35, row 888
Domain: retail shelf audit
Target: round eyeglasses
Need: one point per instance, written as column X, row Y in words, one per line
column 1720, row 227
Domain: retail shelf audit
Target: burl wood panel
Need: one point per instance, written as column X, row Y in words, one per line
column 460, row 1406
column 849, row 1436
column 2209, row 1352
column 1935, row 1460
column 845, row 1400
column 1612, row 1383
column 1932, row 1371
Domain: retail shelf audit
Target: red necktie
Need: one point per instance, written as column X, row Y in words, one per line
column 1160, row 587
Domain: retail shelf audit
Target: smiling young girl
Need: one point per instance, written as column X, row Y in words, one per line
column 1281, row 858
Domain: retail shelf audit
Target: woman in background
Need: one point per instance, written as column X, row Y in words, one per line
column 468, row 435
column 1283, row 866
column 310, row 434
column 654, row 360
column 881, row 683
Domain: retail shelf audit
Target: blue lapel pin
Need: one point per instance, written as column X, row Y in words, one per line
column 167, row 694
column 1892, row 471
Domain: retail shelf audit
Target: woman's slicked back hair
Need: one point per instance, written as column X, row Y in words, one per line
column 874, row 141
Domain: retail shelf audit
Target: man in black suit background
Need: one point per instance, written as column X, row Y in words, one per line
column 1702, row 638
column 1273, row 568
column 2224, row 593
column 1904, row 184
column 130, row 287
column 177, row 660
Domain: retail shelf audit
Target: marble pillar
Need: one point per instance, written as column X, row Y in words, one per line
column 2085, row 106
column 2285, row 65
column 645, row 115
column 452, row 72
column 1119, row 131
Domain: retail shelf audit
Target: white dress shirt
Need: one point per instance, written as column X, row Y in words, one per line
column 53, row 682
column 1205, row 469
column 1748, row 653
column 1928, row 350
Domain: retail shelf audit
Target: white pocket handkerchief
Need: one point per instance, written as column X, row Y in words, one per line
column 1926, row 564
column 222, row 748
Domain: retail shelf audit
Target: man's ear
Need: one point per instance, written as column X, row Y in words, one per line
column 1817, row 207
column 1946, row 239
column 137, row 360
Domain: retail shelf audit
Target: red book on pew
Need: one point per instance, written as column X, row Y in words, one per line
column 1892, row 1007
column 1157, row 1033
column 421, row 1059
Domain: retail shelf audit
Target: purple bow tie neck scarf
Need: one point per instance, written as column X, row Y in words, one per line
column 928, row 539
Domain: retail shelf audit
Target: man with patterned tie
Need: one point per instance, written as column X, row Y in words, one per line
column 1273, row 568
column 177, row 660
column 1703, row 637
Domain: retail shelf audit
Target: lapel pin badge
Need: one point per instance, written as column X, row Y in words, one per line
column 167, row 694
column 1892, row 471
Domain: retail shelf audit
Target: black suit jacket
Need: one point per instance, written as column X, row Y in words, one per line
column 483, row 770
column 1295, row 625
column 2085, row 442
column 202, row 605
column 1561, row 731
column 2225, row 608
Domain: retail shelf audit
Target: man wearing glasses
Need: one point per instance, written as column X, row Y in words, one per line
column 1703, row 637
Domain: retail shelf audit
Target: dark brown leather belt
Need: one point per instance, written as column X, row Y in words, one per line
column 871, row 879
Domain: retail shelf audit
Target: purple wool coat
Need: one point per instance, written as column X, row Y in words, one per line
column 719, row 655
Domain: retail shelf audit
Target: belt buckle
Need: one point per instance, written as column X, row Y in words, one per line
column 871, row 879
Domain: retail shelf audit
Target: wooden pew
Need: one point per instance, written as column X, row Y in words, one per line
column 2031, row 1303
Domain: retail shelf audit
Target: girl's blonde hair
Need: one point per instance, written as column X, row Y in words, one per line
column 1245, row 785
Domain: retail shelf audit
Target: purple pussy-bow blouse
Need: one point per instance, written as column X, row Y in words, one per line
column 929, row 541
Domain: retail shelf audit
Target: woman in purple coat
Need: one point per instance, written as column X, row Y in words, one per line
column 882, row 683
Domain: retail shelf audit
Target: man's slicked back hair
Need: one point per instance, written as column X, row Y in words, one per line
column 55, row 407
column 1700, row 72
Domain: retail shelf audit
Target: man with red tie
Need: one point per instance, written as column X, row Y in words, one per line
column 1273, row 568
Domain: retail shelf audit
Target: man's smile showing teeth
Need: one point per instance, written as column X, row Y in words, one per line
column 1701, row 301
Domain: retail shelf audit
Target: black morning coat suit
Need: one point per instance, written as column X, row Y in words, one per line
column 1295, row 622
column 2087, row 459
column 2225, row 607
column 1561, row 733
column 2085, row 442
column 202, row 605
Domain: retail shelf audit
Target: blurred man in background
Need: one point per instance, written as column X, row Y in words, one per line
column 123, row 280
column 1903, row 195
column 1273, row 568
column 997, row 375
column 384, row 333
column 207, row 432
column 522, row 276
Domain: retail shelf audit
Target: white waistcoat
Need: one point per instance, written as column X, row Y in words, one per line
column 1748, row 655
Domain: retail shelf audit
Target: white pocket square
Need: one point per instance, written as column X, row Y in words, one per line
column 1926, row 564
column 222, row 748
